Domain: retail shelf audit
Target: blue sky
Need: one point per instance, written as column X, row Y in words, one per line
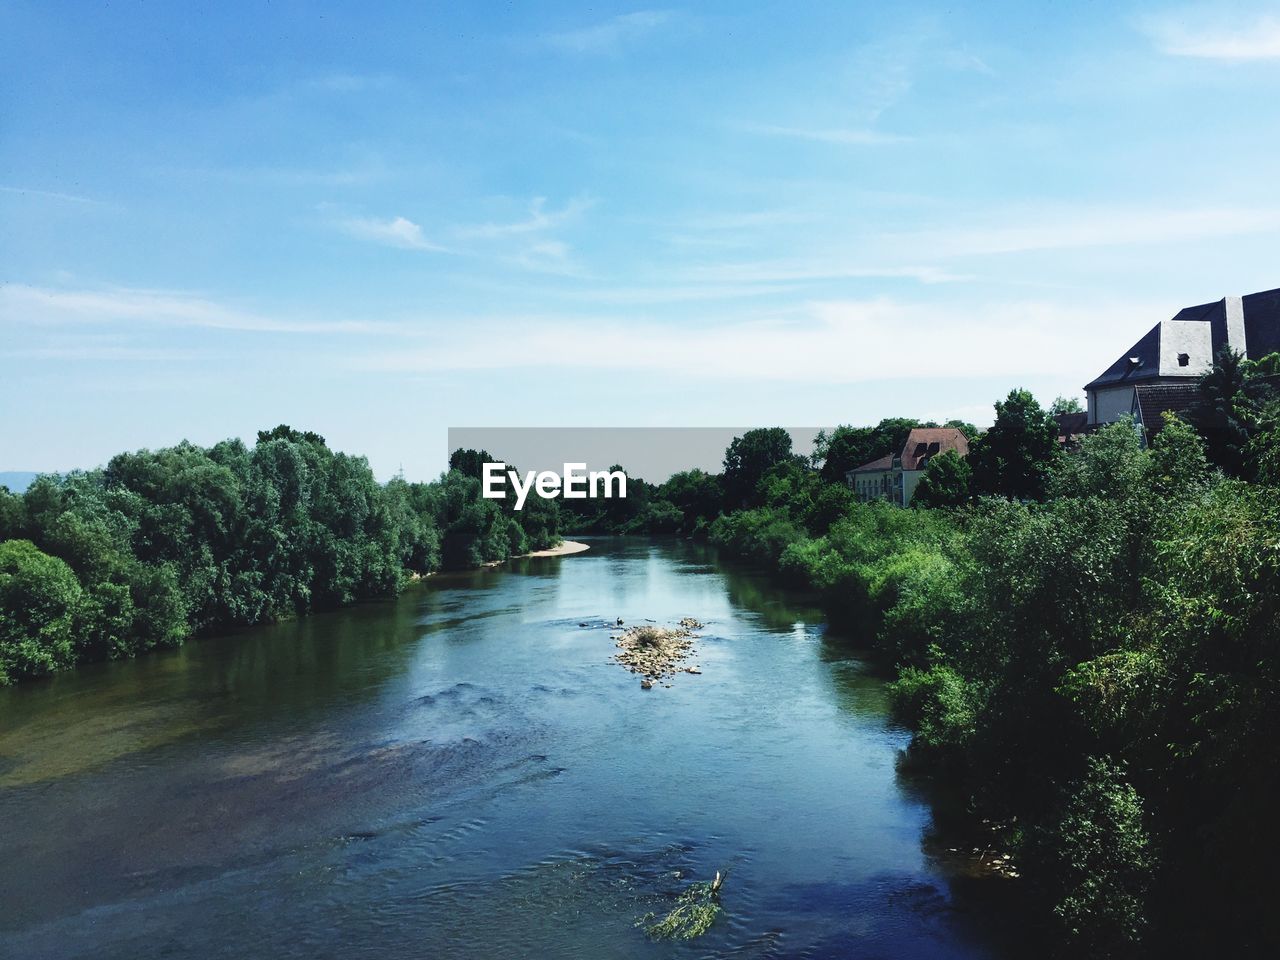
column 218, row 217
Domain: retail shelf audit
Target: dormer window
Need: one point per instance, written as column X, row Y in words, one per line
column 1135, row 362
column 1184, row 359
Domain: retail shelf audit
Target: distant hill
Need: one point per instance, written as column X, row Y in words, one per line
column 17, row 480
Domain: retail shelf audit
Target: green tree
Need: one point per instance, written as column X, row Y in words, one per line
column 1013, row 459
column 749, row 457
column 39, row 598
column 1237, row 403
column 1065, row 405
column 1100, row 863
column 945, row 483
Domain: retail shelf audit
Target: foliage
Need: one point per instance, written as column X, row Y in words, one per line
column 39, row 596
column 1013, row 459
column 749, row 457
column 1231, row 410
column 847, row 448
column 1098, row 663
column 695, row 911
column 1098, row 858
column 162, row 544
column 946, row 482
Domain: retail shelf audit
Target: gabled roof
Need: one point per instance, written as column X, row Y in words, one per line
column 1262, row 323
column 1150, row 400
column 1256, row 316
column 878, row 465
column 925, row 442
column 921, row 444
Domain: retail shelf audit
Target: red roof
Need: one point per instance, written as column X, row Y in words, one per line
column 926, row 442
column 875, row 466
column 922, row 443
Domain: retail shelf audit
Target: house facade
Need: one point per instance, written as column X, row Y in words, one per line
column 1178, row 351
column 894, row 477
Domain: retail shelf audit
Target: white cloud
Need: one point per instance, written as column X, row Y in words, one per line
column 845, row 341
column 396, row 232
column 1192, row 33
column 23, row 304
column 608, row 36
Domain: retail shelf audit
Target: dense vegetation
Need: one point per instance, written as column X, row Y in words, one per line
column 161, row 545
column 1085, row 642
column 1086, row 647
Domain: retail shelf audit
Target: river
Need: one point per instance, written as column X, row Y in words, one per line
column 463, row 772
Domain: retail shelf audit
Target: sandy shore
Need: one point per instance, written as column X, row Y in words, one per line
column 566, row 547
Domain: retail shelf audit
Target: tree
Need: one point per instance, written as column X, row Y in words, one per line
column 1014, row 457
column 749, row 457
column 39, row 596
column 1065, row 405
column 945, row 483
column 964, row 426
column 847, row 448
column 470, row 463
column 1230, row 411
column 1100, row 862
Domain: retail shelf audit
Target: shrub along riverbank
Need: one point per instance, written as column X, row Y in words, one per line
column 160, row 545
column 1097, row 672
column 1086, row 643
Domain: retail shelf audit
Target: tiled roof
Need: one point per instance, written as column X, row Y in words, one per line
column 875, row 466
column 925, row 442
column 1071, row 424
column 1153, row 399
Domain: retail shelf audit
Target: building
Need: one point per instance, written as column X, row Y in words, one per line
column 1177, row 352
column 1151, row 400
column 1071, row 428
column 894, row 477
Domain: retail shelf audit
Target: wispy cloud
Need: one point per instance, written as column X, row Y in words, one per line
column 395, row 232
column 24, row 304
column 51, row 195
column 1202, row 33
column 1049, row 228
column 349, row 82
column 847, row 136
column 818, row 268
column 844, row 341
column 539, row 219
column 608, row 36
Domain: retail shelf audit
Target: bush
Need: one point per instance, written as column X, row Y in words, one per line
column 39, row 600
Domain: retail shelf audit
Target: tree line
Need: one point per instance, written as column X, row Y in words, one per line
column 160, row 545
column 1084, row 641
column 1086, row 644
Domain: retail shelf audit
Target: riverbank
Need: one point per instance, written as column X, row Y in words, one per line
column 564, row 548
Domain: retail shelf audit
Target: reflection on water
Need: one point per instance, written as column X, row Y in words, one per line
column 464, row 772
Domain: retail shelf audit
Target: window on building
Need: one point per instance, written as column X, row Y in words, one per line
column 1184, row 359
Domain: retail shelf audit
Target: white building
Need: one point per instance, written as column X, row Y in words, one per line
column 894, row 477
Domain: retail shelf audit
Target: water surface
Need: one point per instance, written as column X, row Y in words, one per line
column 464, row 772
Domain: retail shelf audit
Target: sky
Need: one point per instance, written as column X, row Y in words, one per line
column 379, row 221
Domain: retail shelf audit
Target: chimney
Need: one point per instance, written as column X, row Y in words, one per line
column 1235, row 325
